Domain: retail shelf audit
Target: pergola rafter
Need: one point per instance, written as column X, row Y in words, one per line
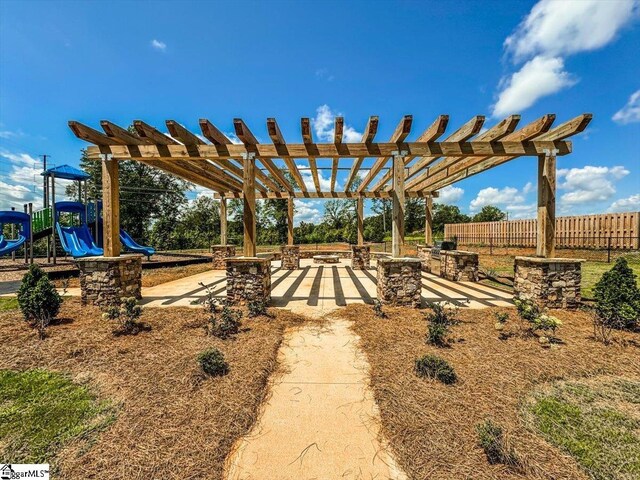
column 419, row 168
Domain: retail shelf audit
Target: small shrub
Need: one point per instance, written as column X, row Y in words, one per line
column 225, row 323
column 440, row 320
column 257, row 308
column 527, row 309
column 491, row 440
column 213, row 363
column 377, row 309
column 222, row 320
column 502, row 317
column 38, row 299
column 546, row 323
column 437, row 368
column 618, row 297
column 126, row 314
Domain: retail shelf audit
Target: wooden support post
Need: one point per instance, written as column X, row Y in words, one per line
column 546, row 241
column 360, row 210
column 249, row 213
column 428, row 220
column 397, row 214
column 289, row 221
column 110, row 207
column 223, row 221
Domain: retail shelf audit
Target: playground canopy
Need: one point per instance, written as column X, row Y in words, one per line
column 400, row 168
column 66, row 172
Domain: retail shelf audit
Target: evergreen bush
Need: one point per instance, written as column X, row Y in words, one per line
column 618, row 297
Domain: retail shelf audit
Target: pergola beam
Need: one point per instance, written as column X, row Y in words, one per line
column 431, row 134
column 328, row 195
column 338, row 132
column 307, row 138
column 498, row 131
column 367, row 138
column 401, row 132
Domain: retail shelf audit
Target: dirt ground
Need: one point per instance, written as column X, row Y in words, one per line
column 152, row 277
column 172, row 421
column 431, row 426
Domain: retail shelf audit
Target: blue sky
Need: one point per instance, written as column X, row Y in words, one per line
column 154, row 61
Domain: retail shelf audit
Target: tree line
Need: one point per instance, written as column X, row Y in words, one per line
column 155, row 210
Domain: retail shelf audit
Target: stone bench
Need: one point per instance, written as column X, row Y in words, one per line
column 326, row 259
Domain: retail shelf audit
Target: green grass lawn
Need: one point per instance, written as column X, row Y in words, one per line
column 594, row 422
column 8, row 303
column 40, row 411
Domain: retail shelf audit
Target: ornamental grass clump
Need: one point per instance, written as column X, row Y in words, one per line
column 617, row 297
column 38, row 299
column 436, row 368
column 213, row 363
column 222, row 320
column 491, row 439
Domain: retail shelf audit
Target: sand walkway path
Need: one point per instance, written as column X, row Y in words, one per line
column 320, row 420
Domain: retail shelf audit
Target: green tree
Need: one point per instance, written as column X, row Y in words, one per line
column 489, row 213
column 618, row 297
column 147, row 195
column 443, row 214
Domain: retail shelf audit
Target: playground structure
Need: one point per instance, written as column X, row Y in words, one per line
column 75, row 240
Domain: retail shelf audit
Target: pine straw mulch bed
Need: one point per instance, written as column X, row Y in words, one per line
column 153, row 277
column 431, row 426
column 172, row 421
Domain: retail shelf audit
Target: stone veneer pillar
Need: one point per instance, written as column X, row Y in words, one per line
column 220, row 255
column 458, row 265
column 248, row 280
column 360, row 257
column 106, row 280
column 424, row 254
column 550, row 282
column 399, row 281
column 290, row 257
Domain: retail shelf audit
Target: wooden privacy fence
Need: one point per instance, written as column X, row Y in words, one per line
column 607, row 230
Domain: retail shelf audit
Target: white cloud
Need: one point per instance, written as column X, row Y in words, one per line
column 233, row 137
column 324, row 74
column 528, row 188
column 517, row 212
column 307, row 211
column 569, row 26
column 22, row 158
column 589, row 184
column 497, row 197
column 537, row 78
column 450, row 194
column 630, row 112
column 159, row 45
column 307, row 176
column 553, row 30
column 629, row 204
column 323, row 125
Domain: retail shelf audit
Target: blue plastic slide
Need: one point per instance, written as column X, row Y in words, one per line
column 24, row 232
column 76, row 241
column 130, row 244
column 127, row 242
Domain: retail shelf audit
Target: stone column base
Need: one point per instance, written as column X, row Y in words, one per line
column 248, row 280
column 458, row 265
column 220, row 255
column 360, row 257
column 424, row 254
column 399, row 281
column 550, row 282
column 290, row 256
column 106, row 280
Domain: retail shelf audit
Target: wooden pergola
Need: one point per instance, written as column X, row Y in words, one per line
column 400, row 168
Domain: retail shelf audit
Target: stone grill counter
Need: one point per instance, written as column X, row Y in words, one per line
column 458, row 265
